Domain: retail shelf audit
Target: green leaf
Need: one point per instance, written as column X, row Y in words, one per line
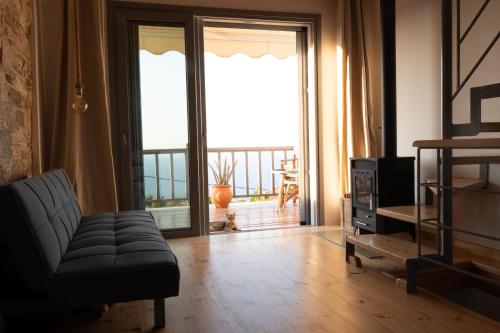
column 222, row 172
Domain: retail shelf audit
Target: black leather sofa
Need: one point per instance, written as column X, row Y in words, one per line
column 52, row 256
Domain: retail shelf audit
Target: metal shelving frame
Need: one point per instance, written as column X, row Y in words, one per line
column 443, row 222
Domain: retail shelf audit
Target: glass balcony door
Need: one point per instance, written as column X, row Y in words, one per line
column 156, row 119
column 159, row 116
column 163, row 180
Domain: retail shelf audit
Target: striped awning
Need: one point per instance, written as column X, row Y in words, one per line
column 224, row 42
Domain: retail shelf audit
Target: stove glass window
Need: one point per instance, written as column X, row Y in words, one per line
column 363, row 183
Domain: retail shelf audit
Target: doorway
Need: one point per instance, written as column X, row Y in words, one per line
column 254, row 115
column 162, row 101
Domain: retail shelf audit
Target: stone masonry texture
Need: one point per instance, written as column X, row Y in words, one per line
column 15, row 90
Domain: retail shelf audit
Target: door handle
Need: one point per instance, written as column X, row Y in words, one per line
column 371, row 201
column 124, row 141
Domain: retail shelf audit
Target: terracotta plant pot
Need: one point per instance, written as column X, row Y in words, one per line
column 221, row 195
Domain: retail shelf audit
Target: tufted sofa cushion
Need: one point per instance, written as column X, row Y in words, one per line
column 114, row 243
column 40, row 218
column 113, row 249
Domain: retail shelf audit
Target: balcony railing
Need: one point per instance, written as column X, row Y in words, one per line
column 166, row 175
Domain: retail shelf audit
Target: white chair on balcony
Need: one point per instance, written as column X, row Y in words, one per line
column 289, row 184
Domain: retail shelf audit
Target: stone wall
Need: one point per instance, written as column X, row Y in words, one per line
column 15, row 90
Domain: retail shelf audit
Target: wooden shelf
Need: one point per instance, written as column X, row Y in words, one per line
column 462, row 183
column 458, row 144
column 408, row 213
column 468, row 160
column 398, row 247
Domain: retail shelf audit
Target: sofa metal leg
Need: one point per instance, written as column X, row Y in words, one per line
column 159, row 312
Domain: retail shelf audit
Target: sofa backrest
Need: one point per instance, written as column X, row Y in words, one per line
column 38, row 220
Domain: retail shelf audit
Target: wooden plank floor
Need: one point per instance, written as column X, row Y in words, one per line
column 259, row 215
column 286, row 280
column 249, row 215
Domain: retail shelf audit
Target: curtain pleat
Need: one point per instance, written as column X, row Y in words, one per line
column 79, row 143
column 359, row 80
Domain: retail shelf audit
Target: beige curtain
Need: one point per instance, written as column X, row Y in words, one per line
column 79, row 143
column 359, row 79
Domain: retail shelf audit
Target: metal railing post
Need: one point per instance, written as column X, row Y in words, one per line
column 273, row 179
column 246, row 174
column 157, row 169
column 259, row 154
column 234, row 174
column 172, row 187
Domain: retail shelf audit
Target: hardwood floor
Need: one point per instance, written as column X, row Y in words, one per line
column 285, row 280
column 249, row 215
column 259, row 215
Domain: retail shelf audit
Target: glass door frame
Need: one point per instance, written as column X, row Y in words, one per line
column 302, row 61
column 124, row 84
column 125, row 93
column 307, row 40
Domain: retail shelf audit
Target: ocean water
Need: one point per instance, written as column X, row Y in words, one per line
column 164, row 166
column 179, row 173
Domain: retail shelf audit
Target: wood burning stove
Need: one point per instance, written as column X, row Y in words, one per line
column 390, row 180
column 381, row 182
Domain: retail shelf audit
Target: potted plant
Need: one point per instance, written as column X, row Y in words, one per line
column 222, row 191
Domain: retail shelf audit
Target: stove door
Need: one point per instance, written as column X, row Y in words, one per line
column 363, row 189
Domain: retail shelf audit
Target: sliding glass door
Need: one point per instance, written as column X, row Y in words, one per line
column 157, row 62
column 162, row 183
column 156, row 118
column 253, row 86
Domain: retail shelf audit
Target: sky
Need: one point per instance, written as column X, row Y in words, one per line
column 250, row 102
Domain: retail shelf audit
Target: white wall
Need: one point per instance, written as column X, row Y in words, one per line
column 418, row 76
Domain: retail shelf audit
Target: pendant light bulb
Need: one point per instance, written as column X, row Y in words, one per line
column 80, row 104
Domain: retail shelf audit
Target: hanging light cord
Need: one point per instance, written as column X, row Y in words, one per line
column 79, row 105
column 77, row 47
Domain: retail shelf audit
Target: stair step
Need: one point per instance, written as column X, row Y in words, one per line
column 408, row 213
column 398, row 247
column 463, row 183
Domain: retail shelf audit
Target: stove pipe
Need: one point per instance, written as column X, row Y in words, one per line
column 389, row 124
